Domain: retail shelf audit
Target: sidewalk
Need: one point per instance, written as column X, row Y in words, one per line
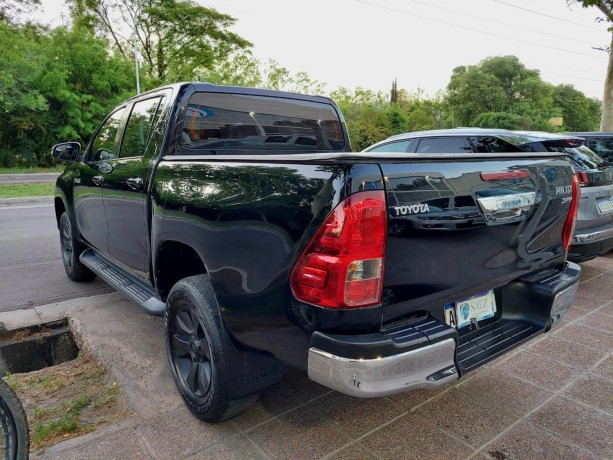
column 551, row 398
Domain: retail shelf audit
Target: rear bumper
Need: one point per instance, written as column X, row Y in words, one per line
column 427, row 353
column 587, row 244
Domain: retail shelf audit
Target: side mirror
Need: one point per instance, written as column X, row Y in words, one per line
column 66, row 151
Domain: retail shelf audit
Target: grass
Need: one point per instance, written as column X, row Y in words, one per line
column 52, row 169
column 26, row 190
column 68, row 400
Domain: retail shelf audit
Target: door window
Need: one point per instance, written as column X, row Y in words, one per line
column 400, row 146
column 136, row 134
column 487, row 144
column 104, row 145
column 445, row 145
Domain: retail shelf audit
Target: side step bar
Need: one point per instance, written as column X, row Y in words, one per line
column 131, row 286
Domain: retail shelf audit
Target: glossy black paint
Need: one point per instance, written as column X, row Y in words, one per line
column 249, row 217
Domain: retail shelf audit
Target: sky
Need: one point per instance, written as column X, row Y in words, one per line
column 369, row 43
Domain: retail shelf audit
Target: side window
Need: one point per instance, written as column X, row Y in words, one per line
column 105, row 144
column 138, row 128
column 493, row 145
column 445, row 145
column 400, row 146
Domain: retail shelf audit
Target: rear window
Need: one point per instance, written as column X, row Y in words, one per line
column 237, row 122
column 581, row 157
column 603, row 146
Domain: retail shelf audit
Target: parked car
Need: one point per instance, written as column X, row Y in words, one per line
column 594, row 231
column 601, row 143
column 261, row 253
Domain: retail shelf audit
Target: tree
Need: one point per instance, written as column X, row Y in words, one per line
column 579, row 112
column 65, row 82
column 606, row 8
column 500, row 84
column 175, row 37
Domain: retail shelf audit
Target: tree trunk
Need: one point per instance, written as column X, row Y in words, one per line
column 606, row 122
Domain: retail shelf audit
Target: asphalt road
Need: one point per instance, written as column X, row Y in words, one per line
column 31, row 270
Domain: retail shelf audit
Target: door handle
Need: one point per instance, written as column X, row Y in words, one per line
column 98, row 180
column 135, row 183
column 506, row 208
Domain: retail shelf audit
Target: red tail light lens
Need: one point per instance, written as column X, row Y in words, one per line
column 342, row 266
column 571, row 218
column 583, row 177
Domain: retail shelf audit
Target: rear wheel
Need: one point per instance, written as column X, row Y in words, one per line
column 198, row 351
column 71, row 250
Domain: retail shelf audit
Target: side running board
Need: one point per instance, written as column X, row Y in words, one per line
column 131, row 286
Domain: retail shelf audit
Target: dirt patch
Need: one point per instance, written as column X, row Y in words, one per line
column 68, row 400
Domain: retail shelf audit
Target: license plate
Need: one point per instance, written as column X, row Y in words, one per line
column 605, row 204
column 473, row 309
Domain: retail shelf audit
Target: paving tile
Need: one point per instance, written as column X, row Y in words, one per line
column 526, row 441
column 593, row 391
column 607, row 309
column 566, row 352
column 272, row 402
column 468, row 419
column 411, row 438
column 539, row 370
column 599, row 287
column 234, row 448
column 575, row 313
column 297, row 382
column 577, row 424
column 124, row 444
column 605, row 368
column 588, row 302
column 411, row 399
column 352, row 452
column 498, row 389
column 597, row 320
column 587, row 336
column 177, row 433
column 301, row 434
column 590, row 271
column 355, row 416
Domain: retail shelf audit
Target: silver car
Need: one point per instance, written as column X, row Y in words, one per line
column 594, row 230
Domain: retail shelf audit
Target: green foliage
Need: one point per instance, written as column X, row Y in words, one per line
column 500, row 120
column 177, row 38
column 579, row 112
column 499, row 84
column 65, row 82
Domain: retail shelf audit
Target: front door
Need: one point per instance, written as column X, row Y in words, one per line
column 125, row 188
column 89, row 207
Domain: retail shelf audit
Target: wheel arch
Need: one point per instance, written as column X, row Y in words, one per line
column 175, row 260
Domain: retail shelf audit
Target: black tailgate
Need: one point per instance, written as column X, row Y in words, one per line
column 461, row 226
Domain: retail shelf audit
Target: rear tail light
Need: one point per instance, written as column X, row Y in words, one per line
column 583, row 177
column 342, row 266
column 571, row 218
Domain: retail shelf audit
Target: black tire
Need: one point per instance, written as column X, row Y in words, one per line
column 71, row 250
column 15, row 433
column 198, row 351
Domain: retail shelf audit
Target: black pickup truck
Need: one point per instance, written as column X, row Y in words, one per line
column 242, row 216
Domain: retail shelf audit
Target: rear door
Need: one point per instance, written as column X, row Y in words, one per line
column 463, row 225
column 125, row 186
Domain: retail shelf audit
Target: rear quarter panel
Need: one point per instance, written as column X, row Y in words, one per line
column 249, row 222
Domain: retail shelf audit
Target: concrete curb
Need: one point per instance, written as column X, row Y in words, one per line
column 25, row 201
